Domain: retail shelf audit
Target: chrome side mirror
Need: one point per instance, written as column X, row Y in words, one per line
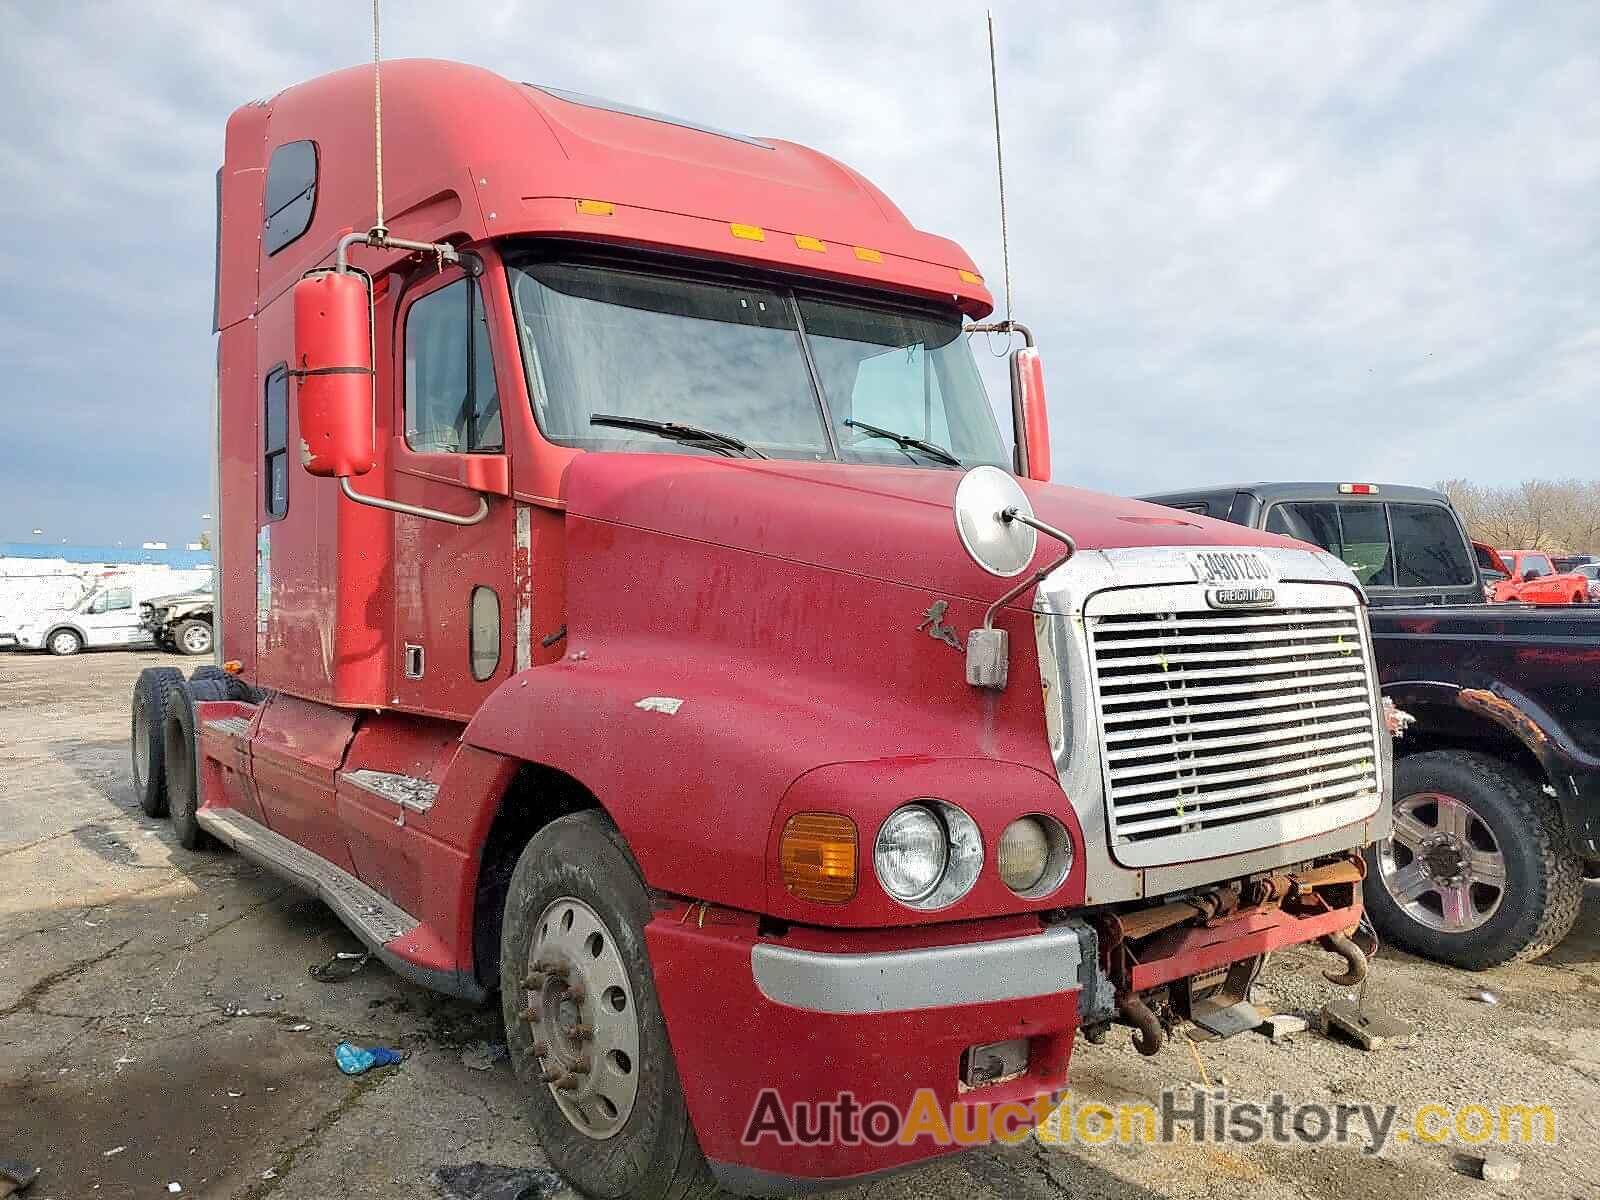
column 996, row 525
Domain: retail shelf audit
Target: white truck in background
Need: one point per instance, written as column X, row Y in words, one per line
column 108, row 615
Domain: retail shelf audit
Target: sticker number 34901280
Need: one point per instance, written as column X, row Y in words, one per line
column 1231, row 566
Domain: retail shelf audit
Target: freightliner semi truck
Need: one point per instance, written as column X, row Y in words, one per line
column 630, row 611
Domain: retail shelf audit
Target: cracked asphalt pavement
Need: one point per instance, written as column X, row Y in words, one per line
column 158, row 1025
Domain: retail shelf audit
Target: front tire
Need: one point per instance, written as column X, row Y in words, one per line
column 1479, row 871
column 577, row 907
column 193, row 637
column 64, row 642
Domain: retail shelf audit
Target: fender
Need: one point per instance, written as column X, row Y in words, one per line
column 686, row 753
column 1531, row 725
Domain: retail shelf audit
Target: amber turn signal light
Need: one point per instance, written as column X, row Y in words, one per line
column 818, row 853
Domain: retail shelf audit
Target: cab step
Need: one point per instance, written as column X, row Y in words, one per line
column 404, row 944
column 372, row 917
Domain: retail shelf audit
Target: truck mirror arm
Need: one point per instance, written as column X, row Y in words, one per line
column 379, row 239
column 1002, row 327
column 1012, row 514
column 413, row 510
column 988, row 654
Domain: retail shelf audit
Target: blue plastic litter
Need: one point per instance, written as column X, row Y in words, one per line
column 354, row 1060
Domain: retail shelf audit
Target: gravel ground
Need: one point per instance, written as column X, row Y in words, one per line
column 158, row 1026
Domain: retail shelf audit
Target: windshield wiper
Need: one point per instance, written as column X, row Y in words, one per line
column 677, row 432
column 932, row 449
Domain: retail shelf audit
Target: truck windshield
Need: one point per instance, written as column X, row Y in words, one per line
column 792, row 374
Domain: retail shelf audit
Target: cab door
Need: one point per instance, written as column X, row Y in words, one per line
column 112, row 619
column 453, row 617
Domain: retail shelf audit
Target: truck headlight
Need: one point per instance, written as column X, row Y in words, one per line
column 1035, row 854
column 928, row 854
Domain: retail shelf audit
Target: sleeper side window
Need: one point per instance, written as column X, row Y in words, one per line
column 291, row 195
column 452, row 403
column 275, row 456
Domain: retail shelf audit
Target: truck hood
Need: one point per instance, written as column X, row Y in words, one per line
column 176, row 598
column 890, row 523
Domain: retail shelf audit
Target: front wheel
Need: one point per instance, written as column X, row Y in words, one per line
column 1478, row 871
column 192, row 637
column 585, row 1029
column 65, row 641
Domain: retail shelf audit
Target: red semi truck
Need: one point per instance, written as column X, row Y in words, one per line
column 600, row 626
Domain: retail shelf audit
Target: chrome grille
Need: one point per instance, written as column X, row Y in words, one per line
column 1214, row 718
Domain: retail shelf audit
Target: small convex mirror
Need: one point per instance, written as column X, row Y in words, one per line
column 1000, row 547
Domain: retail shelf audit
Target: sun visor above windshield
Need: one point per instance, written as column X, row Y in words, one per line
column 788, row 250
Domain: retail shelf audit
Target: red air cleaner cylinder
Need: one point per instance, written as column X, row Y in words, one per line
column 333, row 371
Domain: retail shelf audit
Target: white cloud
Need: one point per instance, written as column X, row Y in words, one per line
column 1302, row 240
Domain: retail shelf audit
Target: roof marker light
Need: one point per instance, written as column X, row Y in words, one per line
column 806, row 242
column 1358, row 489
column 750, row 233
column 597, row 208
column 969, row 276
column 866, row 255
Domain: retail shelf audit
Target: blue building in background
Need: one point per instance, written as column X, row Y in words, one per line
column 179, row 559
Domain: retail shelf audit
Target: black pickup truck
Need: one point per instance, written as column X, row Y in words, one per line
column 1497, row 783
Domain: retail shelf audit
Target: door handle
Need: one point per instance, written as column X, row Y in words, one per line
column 413, row 661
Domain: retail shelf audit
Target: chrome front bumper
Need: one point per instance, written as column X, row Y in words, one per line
column 1060, row 959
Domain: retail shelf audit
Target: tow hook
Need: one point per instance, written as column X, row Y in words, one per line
column 1340, row 944
column 1148, row 1035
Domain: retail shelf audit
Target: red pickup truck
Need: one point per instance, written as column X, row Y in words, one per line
column 1533, row 579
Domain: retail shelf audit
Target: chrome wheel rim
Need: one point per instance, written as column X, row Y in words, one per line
column 579, row 1006
column 1443, row 865
column 141, row 744
column 197, row 639
column 63, row 643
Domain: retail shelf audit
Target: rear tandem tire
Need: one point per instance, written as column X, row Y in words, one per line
column 181, row 748
column 147, row 736
column 233, row 687
column 654, row 1154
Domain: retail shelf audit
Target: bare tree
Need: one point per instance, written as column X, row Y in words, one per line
column 1556, row 516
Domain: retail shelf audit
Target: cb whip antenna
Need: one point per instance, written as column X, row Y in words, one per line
column 999, row 167
column 378, row 228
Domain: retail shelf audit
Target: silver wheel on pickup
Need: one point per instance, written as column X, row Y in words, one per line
column 1479, row 869
column 1443, row 865
column 193, row 637
column 582, row 1017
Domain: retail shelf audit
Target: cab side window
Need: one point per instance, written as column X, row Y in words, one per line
column 452, row 405
column 112, row 600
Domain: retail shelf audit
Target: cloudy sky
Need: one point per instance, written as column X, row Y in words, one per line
column 1338, row 241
